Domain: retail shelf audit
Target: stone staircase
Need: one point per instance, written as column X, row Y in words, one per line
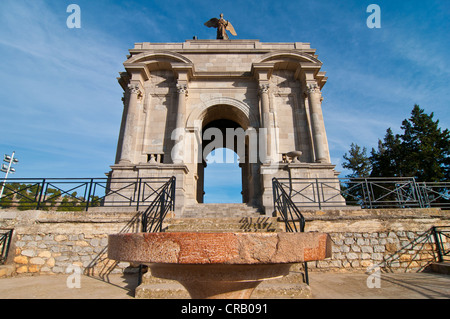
column 224, row 218
column 219, row 218
column 220, row 211
column 221, row 225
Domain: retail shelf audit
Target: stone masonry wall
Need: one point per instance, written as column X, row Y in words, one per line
column 55, row 242
column 390, row 251
column 394, row 240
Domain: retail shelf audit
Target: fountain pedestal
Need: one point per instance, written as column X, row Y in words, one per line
column 219, row 265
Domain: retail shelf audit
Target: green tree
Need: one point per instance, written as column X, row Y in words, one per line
column 387, row 161
column 421, row 150
column 357, row 162
column 425, row 147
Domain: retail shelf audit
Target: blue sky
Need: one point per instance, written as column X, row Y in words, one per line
column 61, row 103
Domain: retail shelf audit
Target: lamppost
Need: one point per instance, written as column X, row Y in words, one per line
column 8, row 169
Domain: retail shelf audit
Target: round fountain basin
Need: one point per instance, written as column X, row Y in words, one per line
column 219, row 265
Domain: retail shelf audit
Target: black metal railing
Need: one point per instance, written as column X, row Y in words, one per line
column 5, row 242
column 153, row 217
column 69, row 194
column 368, row 193
column 290, row 214
column 283, row 204
column 441, row 235
column 164, row 202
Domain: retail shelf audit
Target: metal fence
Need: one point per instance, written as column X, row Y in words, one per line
column 366, row 193
column 69, row 194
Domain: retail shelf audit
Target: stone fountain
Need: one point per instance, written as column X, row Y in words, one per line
column 219, row 265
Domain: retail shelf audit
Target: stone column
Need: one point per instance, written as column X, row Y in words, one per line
column 147, row 121
column 135, row 94
column 318, row 127
column 265, row 109
column 178, row 134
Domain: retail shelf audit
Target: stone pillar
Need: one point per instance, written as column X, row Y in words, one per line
column 318, row 127
column 265, row 124
column 178, row 134
column 135, row 94
column 147, row 121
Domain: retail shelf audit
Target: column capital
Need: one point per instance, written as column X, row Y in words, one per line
column 182, row 88
column 312, row 88
column 135, row 88
column 263, row 88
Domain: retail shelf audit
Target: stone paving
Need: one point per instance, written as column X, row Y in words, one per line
column 323, row 285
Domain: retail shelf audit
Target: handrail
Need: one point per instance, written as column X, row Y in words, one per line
column 5, row 241
column 289, row 212
column 287, row 208
column 153, row 216
column 438, row 233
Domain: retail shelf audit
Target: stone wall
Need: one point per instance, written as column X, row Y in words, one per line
column 50, row 242
column 394, row 240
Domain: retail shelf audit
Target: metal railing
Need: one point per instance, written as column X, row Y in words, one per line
column 69, row 194
column 441, row 235
column 290, row 214
column 369, row 193
column 5, row 242
column 434, row 194
column 153, row 217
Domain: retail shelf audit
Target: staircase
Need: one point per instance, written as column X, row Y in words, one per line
column 220, row 211
column 219, row 218
column 224, row 218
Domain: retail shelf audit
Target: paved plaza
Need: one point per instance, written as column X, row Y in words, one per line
column 323, row 285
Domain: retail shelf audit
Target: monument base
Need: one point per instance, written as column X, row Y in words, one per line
column 305, row 177
column 146, row 172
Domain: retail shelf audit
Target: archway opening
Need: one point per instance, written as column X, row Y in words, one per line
column 222, row 177
column 225, row 130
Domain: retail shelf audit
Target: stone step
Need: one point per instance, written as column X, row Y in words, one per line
column 265, row 290
column 220, row 210
column 161, row 291
column 230, row 224
column 288, row 287
column 441, row 268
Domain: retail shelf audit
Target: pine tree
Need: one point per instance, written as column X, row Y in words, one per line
column 387, row 161
column 422, row 151
column 357, row 161
column 426, row 149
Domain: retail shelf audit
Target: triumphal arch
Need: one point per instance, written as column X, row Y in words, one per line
column 262, row 100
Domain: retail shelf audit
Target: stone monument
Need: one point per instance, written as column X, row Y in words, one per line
column 263, row 99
